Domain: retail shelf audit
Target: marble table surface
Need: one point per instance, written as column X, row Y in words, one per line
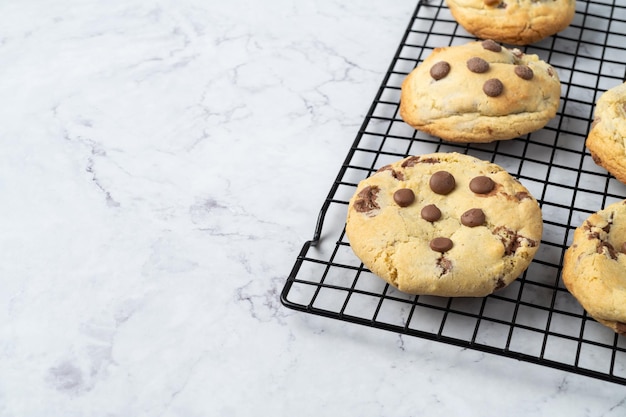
column 161, row 164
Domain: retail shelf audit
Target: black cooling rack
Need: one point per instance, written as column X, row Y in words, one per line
column 534, row 319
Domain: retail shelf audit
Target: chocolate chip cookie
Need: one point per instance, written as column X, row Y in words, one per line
column 516, row 22
column 444, row 224
column 594, row 268
column 480, row 92
column 605, row 140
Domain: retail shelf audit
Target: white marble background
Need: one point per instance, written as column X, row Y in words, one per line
column 161, row 164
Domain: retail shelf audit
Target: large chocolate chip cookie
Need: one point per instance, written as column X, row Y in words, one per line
column 594, row 268
column 517, row 22
column 480, row 92
column 606, row 137
column 444, row 224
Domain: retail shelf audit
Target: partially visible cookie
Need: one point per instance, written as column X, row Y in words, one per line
column 605, row 140
column 444, row 224
column 516, row 22
column 480, row 92
column 594, row 268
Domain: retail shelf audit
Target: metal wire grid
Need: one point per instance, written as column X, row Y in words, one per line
column 534, row 319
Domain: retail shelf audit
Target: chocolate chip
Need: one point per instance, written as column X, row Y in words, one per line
column 441, row 244
column 610, row 250
column 414, row 160
column 482, row 184
column 431, row 213
column 396, row 174
column 620, row 327
column 473, row 217
column 439, row 70
column 410, row 161
column 367, row 199
column 493, row 87
column 444, row 264
column 491, row 46
column 442, row 182
column 524, row 72
column 591, row 229
column 511, row 240
column 623, row 250
column 404, row 197
column 499, row 284
column 477, row 65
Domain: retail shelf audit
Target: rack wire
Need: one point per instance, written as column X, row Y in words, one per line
column 534, row 319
